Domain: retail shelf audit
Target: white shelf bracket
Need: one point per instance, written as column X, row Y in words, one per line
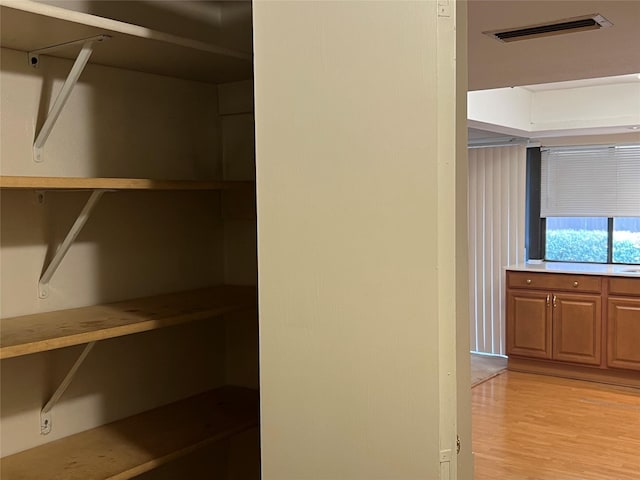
column 83, row 216
column 65, row 92
column 45, row 413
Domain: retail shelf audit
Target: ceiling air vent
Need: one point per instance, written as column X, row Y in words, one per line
column 558, row 27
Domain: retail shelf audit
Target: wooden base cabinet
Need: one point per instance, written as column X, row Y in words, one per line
column 623, row 345
column 623, row 331
column 545, row 322
column 529, row 324
column 578, row 326
column 555, row 326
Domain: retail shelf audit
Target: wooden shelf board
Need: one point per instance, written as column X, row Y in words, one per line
column 78, row 183
column 27, row 25
column 47, row 331
column 134, row 445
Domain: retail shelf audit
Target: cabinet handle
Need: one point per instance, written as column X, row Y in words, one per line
column 575, row 284
column 555, row 301
column 528, row 281
column 548, row 300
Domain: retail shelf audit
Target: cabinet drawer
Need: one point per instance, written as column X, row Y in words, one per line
column 554, row 281
column 624, row 286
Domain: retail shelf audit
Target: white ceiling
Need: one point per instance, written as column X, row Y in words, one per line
column 580, row 55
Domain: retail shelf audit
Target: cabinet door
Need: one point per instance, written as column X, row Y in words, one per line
column 577, row 328
column 529, row 324
column 623, row 340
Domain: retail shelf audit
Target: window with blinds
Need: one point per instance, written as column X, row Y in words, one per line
column 590, row 203
column 591, row 182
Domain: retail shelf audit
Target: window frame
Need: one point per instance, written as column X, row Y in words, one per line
column 536, row 227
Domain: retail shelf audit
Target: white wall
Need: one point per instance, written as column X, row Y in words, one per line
column 355, row 138
column 503, row 107
column 464, row 465
column 557, row 111
column 586, row 107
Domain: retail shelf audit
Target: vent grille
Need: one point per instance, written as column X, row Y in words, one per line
column 559, row 27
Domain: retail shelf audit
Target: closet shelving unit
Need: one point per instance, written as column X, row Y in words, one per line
column 134, row 445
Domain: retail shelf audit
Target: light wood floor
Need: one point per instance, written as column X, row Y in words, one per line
column 534, row 427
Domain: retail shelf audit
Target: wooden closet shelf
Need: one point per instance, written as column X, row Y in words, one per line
column 79, row 183
column 27, row 25
column 47, row 331
column 134, row 445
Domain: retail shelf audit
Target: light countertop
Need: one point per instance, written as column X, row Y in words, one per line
column 580, row 268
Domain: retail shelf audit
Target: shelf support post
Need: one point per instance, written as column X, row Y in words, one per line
column 45, row 413
column 65, row 92
column 43, row 284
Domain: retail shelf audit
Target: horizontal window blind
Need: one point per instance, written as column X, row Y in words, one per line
column 591, row 182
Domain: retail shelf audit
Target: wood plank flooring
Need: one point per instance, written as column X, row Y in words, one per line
column 535, row 427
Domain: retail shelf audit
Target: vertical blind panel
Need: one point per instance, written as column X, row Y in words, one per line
column 473, row 253
column 496, row 238
column 590, row 182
